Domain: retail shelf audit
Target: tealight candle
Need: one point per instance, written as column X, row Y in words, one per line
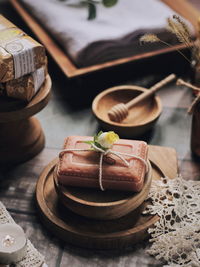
column 12, row 243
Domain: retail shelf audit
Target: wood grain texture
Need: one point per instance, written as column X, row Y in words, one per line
column 64, row 62
column 21, row 135
column 92, row 233
column 60, row 119
column 121, row 110
column 12, row 112
column 107, row 205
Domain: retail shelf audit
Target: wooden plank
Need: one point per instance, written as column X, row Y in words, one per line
column 65, row 63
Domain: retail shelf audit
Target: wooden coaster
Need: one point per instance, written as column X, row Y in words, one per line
column 104, row 205
column 100, row 234
column 21, row 136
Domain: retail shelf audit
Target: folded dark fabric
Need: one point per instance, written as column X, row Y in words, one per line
column 113, row 34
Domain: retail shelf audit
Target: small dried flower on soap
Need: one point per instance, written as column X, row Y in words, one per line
column 107, row 139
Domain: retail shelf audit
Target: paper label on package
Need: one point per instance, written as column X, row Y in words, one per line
column 2, row 27
column 8, row 35
column 38, row 78
column 23, row 56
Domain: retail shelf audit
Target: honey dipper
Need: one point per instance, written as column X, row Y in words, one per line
column 120, row 111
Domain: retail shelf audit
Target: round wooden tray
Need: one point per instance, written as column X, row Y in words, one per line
column 85, row 232
column 21, row 136
column 104, row 205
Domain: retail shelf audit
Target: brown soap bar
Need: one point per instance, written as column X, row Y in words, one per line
column 81, row 168
column 25, row 87
column 19, row 53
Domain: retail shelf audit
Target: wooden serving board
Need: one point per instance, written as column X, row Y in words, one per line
column 183, row 7
column 99, row 234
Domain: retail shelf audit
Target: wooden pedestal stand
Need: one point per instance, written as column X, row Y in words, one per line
column 21, row 136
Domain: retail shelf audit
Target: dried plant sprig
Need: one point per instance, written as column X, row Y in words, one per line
column 153, row 38
column 183, row 34
column 178, row 27
column 183, row 24
column 149, row 38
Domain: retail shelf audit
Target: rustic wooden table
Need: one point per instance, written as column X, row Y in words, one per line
column 62, row 118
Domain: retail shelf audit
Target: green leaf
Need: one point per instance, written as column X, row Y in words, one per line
column 88, row 142
column 95, row 138
column 109, row 3
column 92, row 11
column 98, row 145
column 99, row 133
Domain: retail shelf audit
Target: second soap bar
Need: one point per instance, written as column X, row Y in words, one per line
column 19, row 53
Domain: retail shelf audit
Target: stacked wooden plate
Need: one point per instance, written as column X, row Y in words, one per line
column 102, row 220
column 103, row 205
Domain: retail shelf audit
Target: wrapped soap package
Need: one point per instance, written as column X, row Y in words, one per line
column 81, row 168
column 19, row 53
column 25, row 87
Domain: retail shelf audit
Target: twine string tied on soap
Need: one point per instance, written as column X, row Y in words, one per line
column 104, row 153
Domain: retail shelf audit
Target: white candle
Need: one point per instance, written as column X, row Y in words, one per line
column 12, row 243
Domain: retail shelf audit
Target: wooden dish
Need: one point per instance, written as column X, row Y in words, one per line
column 21, row 136
column 141, row 118
column 100, row 234
column 104, row 205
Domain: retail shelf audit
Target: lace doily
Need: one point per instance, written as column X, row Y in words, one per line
column 33, row 258
column 176, row 236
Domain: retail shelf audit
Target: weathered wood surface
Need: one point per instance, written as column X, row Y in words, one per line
column 61, row 118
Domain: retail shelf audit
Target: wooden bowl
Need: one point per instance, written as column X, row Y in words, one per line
column 141, row 118
column 103, row 205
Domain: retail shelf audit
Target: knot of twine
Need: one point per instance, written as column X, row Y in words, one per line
column 104, row 153
column 11, row 39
